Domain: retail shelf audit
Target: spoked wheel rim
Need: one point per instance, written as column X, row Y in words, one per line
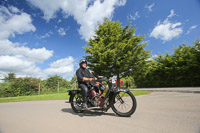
column 77, row 102
column 123, row 103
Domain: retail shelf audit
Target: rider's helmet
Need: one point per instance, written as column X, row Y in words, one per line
column 81, row 62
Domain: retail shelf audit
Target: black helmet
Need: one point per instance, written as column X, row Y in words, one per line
column 81, row 62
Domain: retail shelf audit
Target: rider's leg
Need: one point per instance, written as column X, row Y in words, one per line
column 84, row 91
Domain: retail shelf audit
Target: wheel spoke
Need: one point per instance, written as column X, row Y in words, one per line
column 123, row 102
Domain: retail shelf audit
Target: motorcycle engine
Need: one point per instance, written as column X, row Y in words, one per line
column 96, row 100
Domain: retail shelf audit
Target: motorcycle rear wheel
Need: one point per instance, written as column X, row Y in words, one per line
column 76, row 103
column 124, row 104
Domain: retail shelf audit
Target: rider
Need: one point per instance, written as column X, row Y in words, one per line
column 84, row 78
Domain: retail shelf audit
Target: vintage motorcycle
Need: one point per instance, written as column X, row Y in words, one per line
column 121, row 100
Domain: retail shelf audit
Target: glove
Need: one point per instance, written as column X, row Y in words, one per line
column 87, row 79
column 90, row 79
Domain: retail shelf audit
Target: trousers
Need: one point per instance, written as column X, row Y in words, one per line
column 84, row 91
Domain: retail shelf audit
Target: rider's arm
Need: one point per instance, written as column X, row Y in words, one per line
column 87, row 79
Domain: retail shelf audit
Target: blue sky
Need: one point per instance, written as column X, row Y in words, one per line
column 41, row 38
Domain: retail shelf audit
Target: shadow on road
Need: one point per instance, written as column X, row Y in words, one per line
column 87, row 113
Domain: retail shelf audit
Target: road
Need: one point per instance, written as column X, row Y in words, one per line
column 158, row 112
column 175, row 89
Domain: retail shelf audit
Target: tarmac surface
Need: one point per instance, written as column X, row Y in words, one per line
column 158, row 112
column 176, row 89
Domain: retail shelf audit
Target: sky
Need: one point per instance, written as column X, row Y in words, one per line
column 42, row 38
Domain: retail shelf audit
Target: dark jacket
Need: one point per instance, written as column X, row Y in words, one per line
column 80, row 73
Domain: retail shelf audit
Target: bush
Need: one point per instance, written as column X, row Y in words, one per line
column 19, row 87
column 5, row 89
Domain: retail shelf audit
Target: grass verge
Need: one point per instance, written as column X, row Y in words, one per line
column 136, row 93
column 58, row 96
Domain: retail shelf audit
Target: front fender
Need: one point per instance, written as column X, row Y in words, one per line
column 116, row 90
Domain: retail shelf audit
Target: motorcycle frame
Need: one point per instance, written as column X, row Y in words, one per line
column 112, row 91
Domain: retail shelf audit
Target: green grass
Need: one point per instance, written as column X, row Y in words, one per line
column 58, row 96
column 136, row 93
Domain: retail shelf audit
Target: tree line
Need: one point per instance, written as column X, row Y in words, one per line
column 13, row 86
column 180, row 69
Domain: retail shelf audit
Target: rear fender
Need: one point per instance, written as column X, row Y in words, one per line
column 73, row 92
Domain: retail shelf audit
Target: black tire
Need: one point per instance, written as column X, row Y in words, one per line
column 76, row 103
column 120, row 100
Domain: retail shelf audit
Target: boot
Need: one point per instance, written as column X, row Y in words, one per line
column 84, row 105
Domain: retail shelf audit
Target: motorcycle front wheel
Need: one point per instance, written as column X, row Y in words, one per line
column 76, row 103
column 124, row 104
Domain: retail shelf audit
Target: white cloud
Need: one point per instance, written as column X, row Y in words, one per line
column 66, row 70
column 48, row 34
column 59, row 21
column 61, row 31
column 134, row 17
column 171, row 14
column 49, row 7
column 14, row 9
column 153, row 56
column 191, row 28
column 39, row 55
column 62, row 62
column 23, row 67
column 11, row 23
column 167, row 30
column 20, row 59
column 16, row 57
column 87, row 13
column 149, row 7
column 18, row 64
column 63, row 66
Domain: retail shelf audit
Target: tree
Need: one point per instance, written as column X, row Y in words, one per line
column 9, row 77
column 52, row 82
column 115, row 50
column 64, row 83
column 176, row 70
column 74, row 79
column 73, row 82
